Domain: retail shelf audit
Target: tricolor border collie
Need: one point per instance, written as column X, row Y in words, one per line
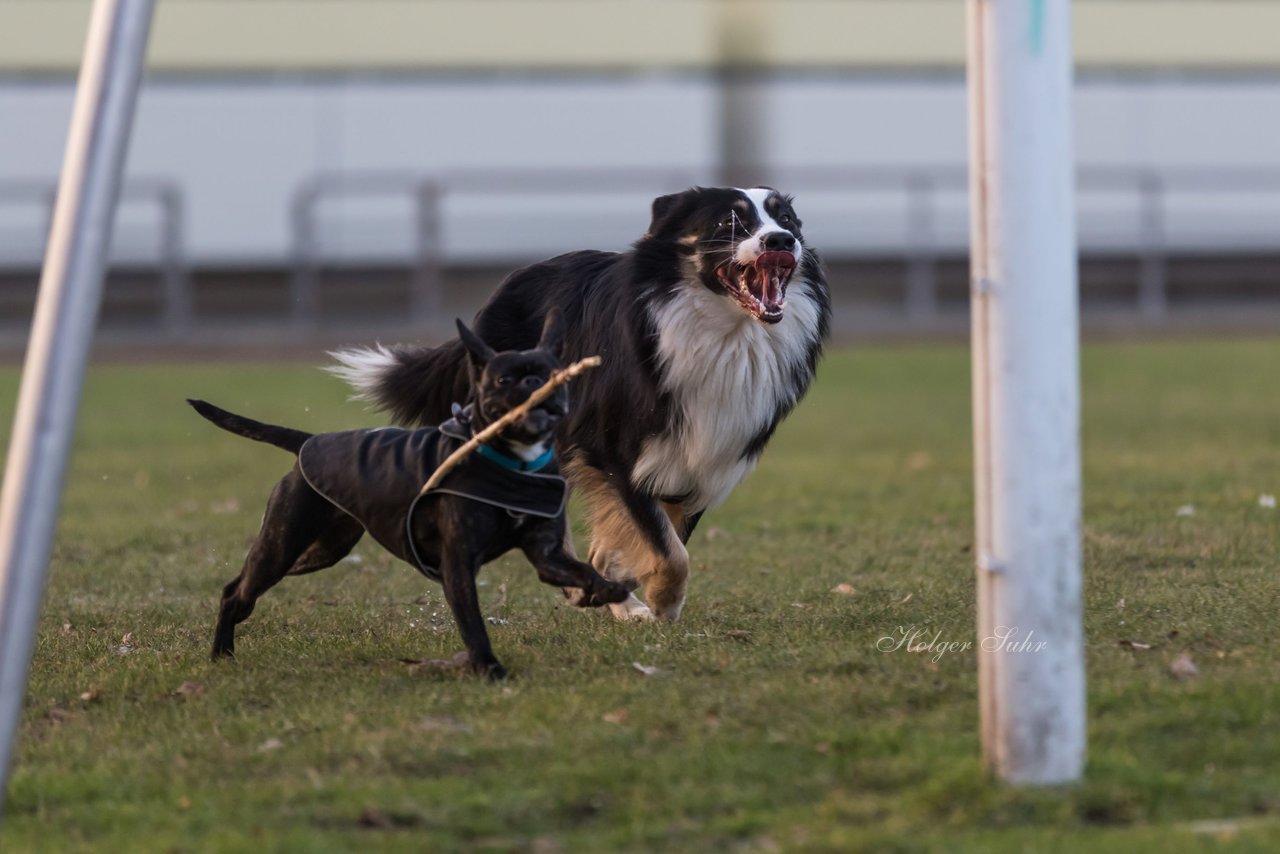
column 710, row 328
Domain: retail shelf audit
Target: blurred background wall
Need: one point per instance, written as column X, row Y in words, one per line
column 378, row 165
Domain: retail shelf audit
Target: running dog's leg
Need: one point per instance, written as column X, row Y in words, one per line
column 575, row 595
column 683, row 521
column 298, row 521
column 634, row 542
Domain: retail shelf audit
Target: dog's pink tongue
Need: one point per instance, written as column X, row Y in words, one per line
column 774, row 269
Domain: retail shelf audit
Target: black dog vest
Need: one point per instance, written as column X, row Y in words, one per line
column 375, row 476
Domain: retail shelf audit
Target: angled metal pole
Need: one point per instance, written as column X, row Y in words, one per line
column 1026, row 390
column 61, row 334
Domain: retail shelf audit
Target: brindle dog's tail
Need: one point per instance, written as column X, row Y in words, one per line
column 282, row 437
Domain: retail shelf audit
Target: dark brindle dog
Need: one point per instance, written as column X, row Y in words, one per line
column 508, row 494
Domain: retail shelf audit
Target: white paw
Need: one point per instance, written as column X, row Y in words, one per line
column 632, row 609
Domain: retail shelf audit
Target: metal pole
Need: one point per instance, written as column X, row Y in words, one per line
column 426, row 288
column 1026, row 390
column 61, row 333
column 174, row 274
column 1153, row 289
column 921, row 292
column 306, row 257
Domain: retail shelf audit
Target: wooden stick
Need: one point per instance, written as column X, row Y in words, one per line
column 558, row 379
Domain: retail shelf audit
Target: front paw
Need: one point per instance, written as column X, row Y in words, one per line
column 604, row 592
column 492, row 670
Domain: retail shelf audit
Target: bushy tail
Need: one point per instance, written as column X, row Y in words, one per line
column 416, row 385
column 282, row 437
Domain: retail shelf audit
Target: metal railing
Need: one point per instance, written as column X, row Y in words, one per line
column 929, row 199
column 165, row 195
column 1150, row 189
column 428, row 195
column 307, row 254
column 921, row 188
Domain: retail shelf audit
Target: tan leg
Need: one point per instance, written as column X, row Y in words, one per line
column 574, row 595
column 622, row 551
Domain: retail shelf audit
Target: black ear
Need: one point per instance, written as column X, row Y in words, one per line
column 552, row 339
column 479, row 352
column 664, row 212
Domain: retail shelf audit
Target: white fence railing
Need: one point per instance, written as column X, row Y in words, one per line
column 149, row 233
column 424, row 222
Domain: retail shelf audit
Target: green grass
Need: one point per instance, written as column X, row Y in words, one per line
column 778, row 724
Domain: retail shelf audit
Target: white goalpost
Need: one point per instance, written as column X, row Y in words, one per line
column 1026, row 390
column 61, row 333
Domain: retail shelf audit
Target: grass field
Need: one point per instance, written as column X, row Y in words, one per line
column 775, row 722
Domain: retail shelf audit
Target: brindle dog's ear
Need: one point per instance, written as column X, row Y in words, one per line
column 664, row 211
column 478, row 352
column 552, row 339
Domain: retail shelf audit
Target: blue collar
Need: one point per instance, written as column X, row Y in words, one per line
column 515, row 463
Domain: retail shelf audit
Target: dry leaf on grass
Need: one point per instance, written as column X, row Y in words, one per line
column 229, row 505
column 1135, row 644
column 844, row 589
column 1183, row 667
column 457, row 661
column 270, row 744
column 617, row 716
column 190, row 690
column 906, row 599
column 90, row 695
column 740, row 635
column 1187, row 510
column 375, row 818
column 440, row 723
column 648, row 670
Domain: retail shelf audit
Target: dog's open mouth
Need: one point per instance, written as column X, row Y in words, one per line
column 761, row 288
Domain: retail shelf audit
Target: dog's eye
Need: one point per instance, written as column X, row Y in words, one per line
column 785, row 219
column 505, row 380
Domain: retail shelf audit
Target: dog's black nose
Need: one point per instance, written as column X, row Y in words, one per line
column 779, row 241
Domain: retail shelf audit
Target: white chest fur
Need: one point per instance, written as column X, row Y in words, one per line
column 728, row 374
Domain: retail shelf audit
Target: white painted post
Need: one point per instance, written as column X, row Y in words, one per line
column 66, row 311
column 1026, row 390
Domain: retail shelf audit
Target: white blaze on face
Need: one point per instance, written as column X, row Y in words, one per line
column 750, row 249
